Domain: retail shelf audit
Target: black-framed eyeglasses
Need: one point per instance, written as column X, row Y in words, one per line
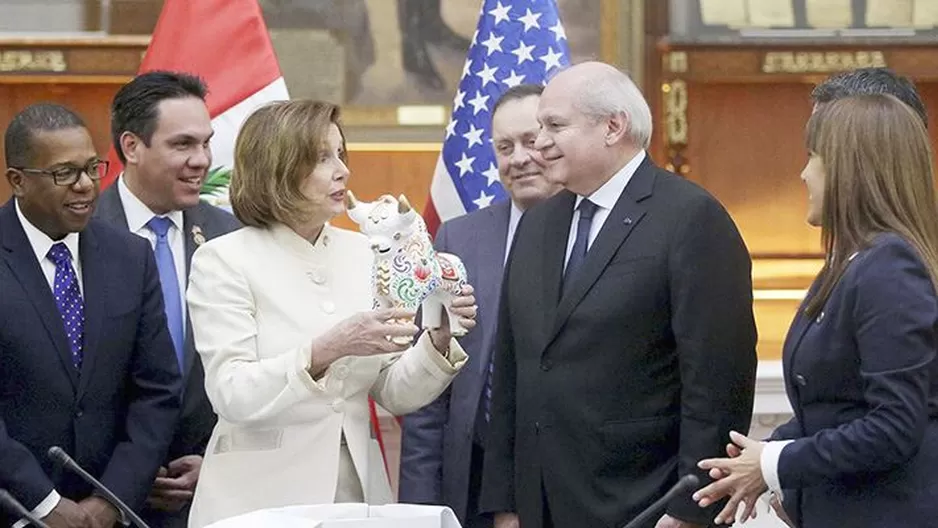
column 69, row 174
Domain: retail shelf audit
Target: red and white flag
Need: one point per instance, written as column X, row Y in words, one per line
column 226, row 43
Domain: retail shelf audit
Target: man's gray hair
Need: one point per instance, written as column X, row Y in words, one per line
column 614, row 92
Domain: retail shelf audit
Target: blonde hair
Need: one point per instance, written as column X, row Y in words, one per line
column 278, row 146
column 878, row 179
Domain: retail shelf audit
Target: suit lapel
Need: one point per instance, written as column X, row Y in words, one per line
column 796, row 332
column 94, row 277
column 623, row 218
column 110, row 208
column 556, row 232
column 490, row 241
column 21, row 259
column 192, row 228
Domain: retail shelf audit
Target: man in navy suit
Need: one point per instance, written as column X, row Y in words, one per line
column 161, row 129
column 87, row 361
column 442, row 444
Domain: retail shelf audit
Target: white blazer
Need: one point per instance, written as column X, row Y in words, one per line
column 257, row 298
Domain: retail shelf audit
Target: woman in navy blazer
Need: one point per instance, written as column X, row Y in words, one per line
column 859, row 359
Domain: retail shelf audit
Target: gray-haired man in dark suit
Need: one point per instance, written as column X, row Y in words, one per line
column 442, row 444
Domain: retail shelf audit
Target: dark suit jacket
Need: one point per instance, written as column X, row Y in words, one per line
column 863, row 383
column 436, row 443
column 198, row 419
column 605, row 396
column 116, row 417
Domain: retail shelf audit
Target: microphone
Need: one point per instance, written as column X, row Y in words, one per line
column 685, row 484
column 10, row 503
column 60, row 457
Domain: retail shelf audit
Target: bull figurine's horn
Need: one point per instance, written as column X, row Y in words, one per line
column 403, row 206
column 350, row 201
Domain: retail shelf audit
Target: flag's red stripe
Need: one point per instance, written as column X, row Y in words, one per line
column 223, row 41
column 430, row 217
column 376, row 426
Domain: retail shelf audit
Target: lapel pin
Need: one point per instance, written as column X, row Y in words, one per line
column 627, row 221
column 197, row 235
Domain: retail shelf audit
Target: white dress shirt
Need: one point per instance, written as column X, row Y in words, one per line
column 605, row 198
column 513, row 219
column 138, row 214
column 771, row 452
column 41, row 243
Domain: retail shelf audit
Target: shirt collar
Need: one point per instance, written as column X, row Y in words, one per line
column 40, row 242
column 607, row 195
column 137, row 212
column 515, row 215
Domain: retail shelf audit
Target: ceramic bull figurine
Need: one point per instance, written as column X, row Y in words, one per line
column 408, row 273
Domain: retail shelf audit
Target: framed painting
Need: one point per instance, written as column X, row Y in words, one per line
column 377, row 57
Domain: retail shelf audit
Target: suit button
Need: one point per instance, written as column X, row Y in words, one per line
column 341, row 372
column 546, row 365
column 79, row 413
column 338, row 405
column 800, row 380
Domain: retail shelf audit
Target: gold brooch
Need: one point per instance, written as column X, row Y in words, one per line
column 197, row 235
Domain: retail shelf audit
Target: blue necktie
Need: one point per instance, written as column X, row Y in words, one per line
column 68, row 300
column 581, row 243
column 169, row 283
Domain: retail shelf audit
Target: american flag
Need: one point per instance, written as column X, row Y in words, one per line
column 516, row 41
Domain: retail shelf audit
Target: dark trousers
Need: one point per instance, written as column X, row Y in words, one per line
column 473, row 518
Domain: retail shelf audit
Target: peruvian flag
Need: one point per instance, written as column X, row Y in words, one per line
column 225, row 42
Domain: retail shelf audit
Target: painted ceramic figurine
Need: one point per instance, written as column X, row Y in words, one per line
column 408, row 273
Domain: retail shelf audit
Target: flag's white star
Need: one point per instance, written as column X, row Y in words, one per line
column 484, row 200
column 458, row 101
column 451, row 127
column 530, row 20
column 478, row 103
column 491, row 174
column 500, row 13
column 487, row 74
column 523, row 52
column 551, row 59
column 475, row 37
column 492, row 44
column 464, row 164
column 473, row 136
column 513, row 80
column 558, row 31
column 467, row 67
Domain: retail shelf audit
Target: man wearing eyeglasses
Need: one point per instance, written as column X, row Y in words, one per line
column 86, row 360
column 161, row 131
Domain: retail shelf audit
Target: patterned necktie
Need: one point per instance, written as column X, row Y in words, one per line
column 68, row 300
column 169, row 282
column 581, row 243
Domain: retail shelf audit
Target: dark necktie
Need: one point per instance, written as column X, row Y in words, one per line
column 169, row 283
column 581, row 243
column 68, row 300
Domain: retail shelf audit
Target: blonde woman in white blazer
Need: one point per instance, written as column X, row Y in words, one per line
column 282, row 317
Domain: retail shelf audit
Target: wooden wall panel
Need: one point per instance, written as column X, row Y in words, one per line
column 377, row 172
column 746, row 146
column 90, row 101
